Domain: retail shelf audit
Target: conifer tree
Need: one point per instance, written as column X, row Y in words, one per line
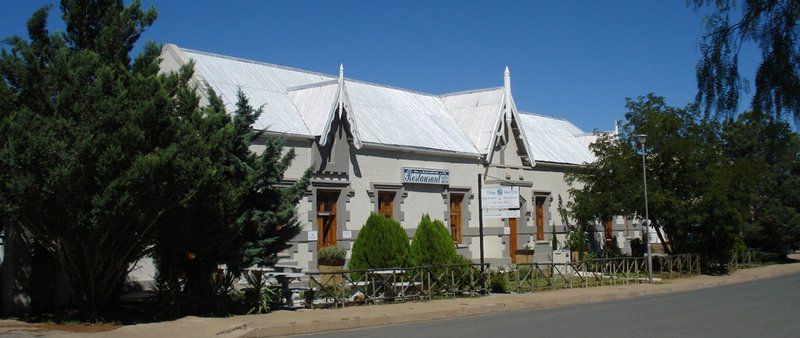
column 432, row 244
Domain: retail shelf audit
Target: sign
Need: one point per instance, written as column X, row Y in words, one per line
column 425, row 176
column 506, row 231
column 312, row 235
column 499, row 197
column 500, row 213
column 347, row 234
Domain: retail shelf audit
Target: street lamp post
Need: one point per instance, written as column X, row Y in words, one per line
column 646, row 223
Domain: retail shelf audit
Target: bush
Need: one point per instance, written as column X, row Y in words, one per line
column 381, row 243
column 432, row 244
column 498, row 282
column 332, row 253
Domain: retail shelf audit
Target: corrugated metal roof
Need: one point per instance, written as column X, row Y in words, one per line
column 300, row 102
column 476, row 113
column 555, row 140
column 264, row 84
column 392, row 116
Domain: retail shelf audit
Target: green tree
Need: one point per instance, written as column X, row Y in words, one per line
column 237, row 210
column 688, row 186
column 772, row 26
column 381, row 243
column 764, row 154
column 432, row 244
column 88, row 141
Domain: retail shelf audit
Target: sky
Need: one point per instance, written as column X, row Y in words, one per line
column 577, row 60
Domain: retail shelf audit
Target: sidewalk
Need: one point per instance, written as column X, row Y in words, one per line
column 308, row 321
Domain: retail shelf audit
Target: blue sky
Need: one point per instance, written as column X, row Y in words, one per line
column 573, row 59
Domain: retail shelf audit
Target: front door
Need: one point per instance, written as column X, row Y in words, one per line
column 512, row 239
column 326, row 217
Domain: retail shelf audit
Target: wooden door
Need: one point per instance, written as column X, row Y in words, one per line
column 608, row 227
column 512, row 239
column 386, row 203
column 539, row 218
column 455, row 216
column 326, row 218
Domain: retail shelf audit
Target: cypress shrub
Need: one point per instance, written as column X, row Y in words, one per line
column 381, row 243
column 432, row 244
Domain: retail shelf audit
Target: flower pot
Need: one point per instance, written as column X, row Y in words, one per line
column 524, row 256
column 331, row 270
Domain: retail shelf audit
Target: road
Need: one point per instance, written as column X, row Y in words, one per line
column 766, row 308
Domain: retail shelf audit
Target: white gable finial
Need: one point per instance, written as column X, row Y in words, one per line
column 507, row 80
column 341, row 70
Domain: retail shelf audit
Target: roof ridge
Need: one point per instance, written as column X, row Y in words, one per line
column 267, row 64
column 262, row 63
column 469, row 91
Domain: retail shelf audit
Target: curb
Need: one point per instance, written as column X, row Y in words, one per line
column 528, row 301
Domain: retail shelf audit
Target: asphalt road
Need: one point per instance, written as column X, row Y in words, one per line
column 767, row 308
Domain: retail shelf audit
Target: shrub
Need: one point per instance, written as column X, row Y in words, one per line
column 381, row 243
column 498, row 282
column 432, row 244
column 332, row 253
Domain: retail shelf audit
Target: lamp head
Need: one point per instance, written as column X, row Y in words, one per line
column 641, row 138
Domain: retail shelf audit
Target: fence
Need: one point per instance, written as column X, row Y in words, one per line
column 742, row 259
column 362, row 287
column 388, row 285
column 598, row 272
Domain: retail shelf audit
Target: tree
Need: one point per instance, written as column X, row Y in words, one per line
column 381, row 243
column 772, row 26
column 237, row 211
column 765, row 154
column 687, row 180
column 104, row 160
column 432, row 244
column 88, row 142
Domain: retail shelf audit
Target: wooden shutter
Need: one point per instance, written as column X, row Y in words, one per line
column 386, row 203
column 326, row 218
column 540, row 217
column 455, row 216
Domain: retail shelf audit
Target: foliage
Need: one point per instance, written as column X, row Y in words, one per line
column 381, row 243
column 103, row 159
column 772, row 26
column 691, row 202
column 88, row 138
column 259, row 295
column 332, row 252
column 498, row 282
column 765, row 157
column 432, row 244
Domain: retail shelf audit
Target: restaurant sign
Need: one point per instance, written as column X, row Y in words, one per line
column 425, row 176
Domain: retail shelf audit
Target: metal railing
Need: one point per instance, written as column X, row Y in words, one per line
column 371, row 286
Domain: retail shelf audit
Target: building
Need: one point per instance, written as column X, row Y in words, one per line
column 402, row 153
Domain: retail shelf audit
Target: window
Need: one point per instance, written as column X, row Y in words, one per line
column 539, row 208
column 455, row 216
column 386, row 203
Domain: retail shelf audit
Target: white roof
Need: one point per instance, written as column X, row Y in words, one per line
column 556, row 140
column 301, row 102
column 476, row 113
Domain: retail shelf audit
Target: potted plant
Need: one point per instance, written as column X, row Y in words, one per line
column 330, row 262
column 525, row 254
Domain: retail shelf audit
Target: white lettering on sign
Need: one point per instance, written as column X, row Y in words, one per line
column 312, row 235
column 347, row 234
column 500, row 213
column 499, row 197
column 425, row 176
